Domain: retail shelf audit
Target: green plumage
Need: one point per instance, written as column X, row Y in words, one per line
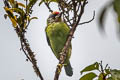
column 57, row 33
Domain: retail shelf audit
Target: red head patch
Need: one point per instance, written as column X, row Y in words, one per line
column 55, row 12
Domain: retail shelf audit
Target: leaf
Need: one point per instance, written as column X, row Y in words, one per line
column 5, row 16
column 9, row 12
column 53, row 0
column 31, row 3
column 109, row 78
column 41, row 2
column 91, row 67
column 13, row 22
column 11, row 16
column 101, row 75
column 102, row 18
column 116, row 5
column 18, row 10
column 48, row 1
column 25, row 25
column 22, row 5
column 107, row 71
column 88, row 76
column 115, row 74
column 11, row 1
column 33, row 18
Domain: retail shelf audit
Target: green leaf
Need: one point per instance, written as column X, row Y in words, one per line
column 115, row 74
column 107, row 71
column 101, row 75
column 109, row 78
column 50, row 1
column 91, row 67
column 33, row 18
column 5, row 16
column 88, row 76
column 53, row 0
column 102, row 18
column 116, row 5
column 22, row 5
column 30, row 5
column 9, row 12
column 11, row 2
column 18, row 10
column 41, row 2
column 14, row 23
column 11, row 16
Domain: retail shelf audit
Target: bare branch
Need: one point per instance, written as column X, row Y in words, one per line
column 89, row 20
column 47, row 5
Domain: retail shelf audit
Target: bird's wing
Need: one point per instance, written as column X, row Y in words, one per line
column 47, row 37
column 48, row 40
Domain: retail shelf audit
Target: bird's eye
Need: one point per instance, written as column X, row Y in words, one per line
column 52, row 16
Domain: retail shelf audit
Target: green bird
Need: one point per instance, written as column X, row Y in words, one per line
column 57, row 32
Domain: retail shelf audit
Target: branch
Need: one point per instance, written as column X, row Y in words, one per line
column 47, row 5
column 102, row 71
column 28, row 52
column 64, row 50
column 89, row 20
column 20, row 29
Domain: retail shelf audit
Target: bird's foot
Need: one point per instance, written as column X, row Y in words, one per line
column 59, row 68
column 64, row 64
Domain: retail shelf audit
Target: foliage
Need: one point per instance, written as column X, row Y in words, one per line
column 94, row 66
column 102, row 74
column 115, row 74
column 88, row 76
column 19, row 13
column 115, row 4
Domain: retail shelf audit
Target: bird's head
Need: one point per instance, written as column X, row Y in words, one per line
column 54, row 17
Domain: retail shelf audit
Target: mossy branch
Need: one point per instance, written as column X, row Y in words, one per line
column 20, row 21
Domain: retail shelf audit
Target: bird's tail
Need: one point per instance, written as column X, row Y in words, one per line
column 68, row 69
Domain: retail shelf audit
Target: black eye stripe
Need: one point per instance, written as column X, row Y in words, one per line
column 52, row 15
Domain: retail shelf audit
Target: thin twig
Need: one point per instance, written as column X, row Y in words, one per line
column 89, row 20
column 102, row 71
column 47, row 5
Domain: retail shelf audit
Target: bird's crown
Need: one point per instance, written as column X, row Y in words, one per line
column 56, row 12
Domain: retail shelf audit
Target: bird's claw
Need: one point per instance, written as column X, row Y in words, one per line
column 65, row 64
column 59, row 68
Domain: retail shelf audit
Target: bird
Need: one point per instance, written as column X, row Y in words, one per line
column 57, row 32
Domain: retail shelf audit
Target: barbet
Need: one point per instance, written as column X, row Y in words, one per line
column 57, row 32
